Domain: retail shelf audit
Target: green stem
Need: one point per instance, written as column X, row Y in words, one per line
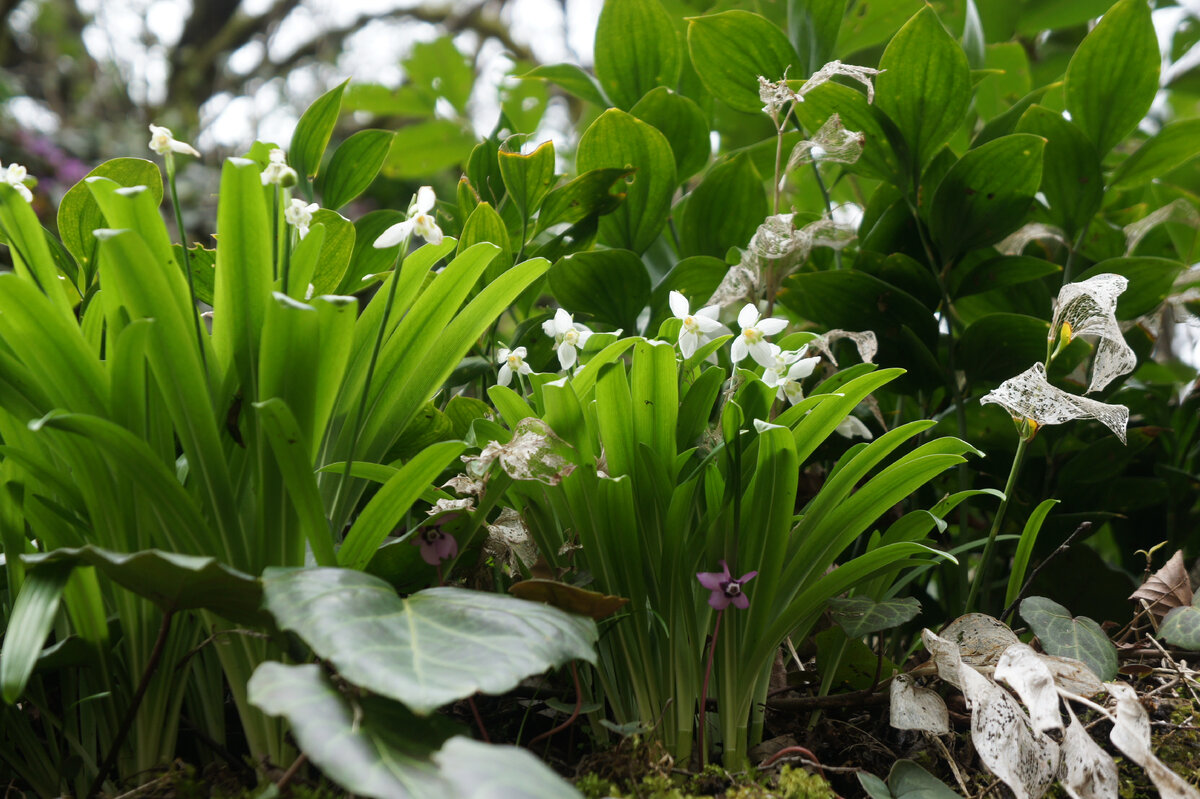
column 1072, row 249
column 187, row 262
column 837, row 254
column 981, row 572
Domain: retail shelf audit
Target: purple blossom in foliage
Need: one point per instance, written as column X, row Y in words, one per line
column 435, row 545
column 724, row 588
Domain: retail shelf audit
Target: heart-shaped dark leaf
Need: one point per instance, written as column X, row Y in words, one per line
column 861, row 615
column 430, row 648
column 1181, row 628
column 1070, row 636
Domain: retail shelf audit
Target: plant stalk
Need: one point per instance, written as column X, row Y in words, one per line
column 998, row 520
column 712, row 646
column 187, row 261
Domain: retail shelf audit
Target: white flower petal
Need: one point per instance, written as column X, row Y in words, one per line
column 748, row 316
column 679, row 304
column 853, row 427
column 770, row 327
column 505, row 375
column 426, row 199
column 802, row 369
column 563, row 321
column 739, row 350
column 566, row 355
column 393, row 235
column 760, row 351
column 688, row 342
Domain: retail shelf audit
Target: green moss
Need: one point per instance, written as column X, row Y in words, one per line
column 712, row 782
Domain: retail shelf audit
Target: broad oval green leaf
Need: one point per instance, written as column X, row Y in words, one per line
column 925, row 85
column 1070, row 636
column 354, row 165
column 590, row 194
column 619, row 140
column 986, row 195
column 1071, row 178
column 428, row 147
column 637, row 49
column 861, row 615
column 79, row 215
column 683, row 123
column 998, row 272
column 878, row 159
column 724, row 210
column 484, row 224
column 1000, row 345
column 612, row 286
column 1173, row 146
column 813, row 26
column 313, row 131
column 528, row 178
column 365, row 260
column 1113, row 76
column 430, row 648
column 731, row 50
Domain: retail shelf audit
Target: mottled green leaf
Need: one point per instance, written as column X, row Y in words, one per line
column 1070, row 636
column 79, row 215
column 1181, row 627
column 861, row 615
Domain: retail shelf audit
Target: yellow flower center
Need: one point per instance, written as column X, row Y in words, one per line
column 571, row 337
column 752, row 335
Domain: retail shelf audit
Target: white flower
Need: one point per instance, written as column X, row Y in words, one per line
column 299, row 215
column 697, row 327
column 752, row 340
column 512, row 362
column 162, row 142
column 852, row 427
column 15, row 176
column 419, row 221
column 1089, row 308
column 567, row 335
column 786, row 372
column 278, row 172
column 1032, row 402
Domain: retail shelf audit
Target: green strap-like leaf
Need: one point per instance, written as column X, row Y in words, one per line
column 312, row 134
column 28, row 625
column 354, row 165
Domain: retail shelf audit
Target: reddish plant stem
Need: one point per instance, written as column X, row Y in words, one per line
column 478, row 720
column 574, row 714
column 712, row 645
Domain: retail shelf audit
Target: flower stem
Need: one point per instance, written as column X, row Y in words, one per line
column 712, row 646
column 981, row 572
column 187, row 262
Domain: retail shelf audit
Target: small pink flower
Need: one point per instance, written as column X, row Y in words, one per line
column 724, row 588
column 435, row 545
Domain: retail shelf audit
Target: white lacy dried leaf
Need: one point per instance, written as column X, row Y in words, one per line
column 451, row 505
column 533, row 453
column 945, row 656
column 1015, row 244
column 826, row 73
column 833, row 142
column 1002, row 735
column 740, row 283
column 1089, row 308
column 1030, row 396
column 777, row 239
column 1085, row 770
column 865, row 342
column 916, row 708
column 981, row 639
column 464, row 484
column 1180, row 211
column 1073, row 676
column 509, row 541
column 830, row 233
column 1026, row 673
column 1131, row 734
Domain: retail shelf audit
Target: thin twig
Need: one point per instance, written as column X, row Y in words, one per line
column 574, row 714
column 1062, row 548
column 291, row 771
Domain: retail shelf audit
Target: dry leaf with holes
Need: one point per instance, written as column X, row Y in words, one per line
column 1086, row 770
column 1168, row 588
column 1131, row 734
column 1073, row 676
column 980, row 638
column 916, row 708
column 509, row 541
column 945, row 657
column 1027, row 674
column 1004, row 739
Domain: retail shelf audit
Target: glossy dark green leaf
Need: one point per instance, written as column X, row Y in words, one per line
column 313, row 131
column 1173, row 146
column 1001, row 345
column 682, row 122
column 724, row 210
column 1071, row 178
column 528, row 178
column 78, row 214
column 426, row 148
column 878, row 159
column 430, row 648
column 365, row 259
column 1113, row 76
column 1000, row 92
column 1181, row 628
column 571, row 78
column 732, row 49
column 926, row 86
column 813, row 27
column 354, row 165
column 696, row 278
column 1150, row 281
column 999, row 272
column 861, row 615
column 29, row 623
column 986, row 195
column 1039, row 15
column 871, row 24
column 593, row 193
column 618, row 140
column 172, row 581
column 609, row 285
column 853, row 300
column 1070, row 636
column 637, row 49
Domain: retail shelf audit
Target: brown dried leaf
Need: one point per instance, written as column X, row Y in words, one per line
column 1168, row 588
column 568, row 597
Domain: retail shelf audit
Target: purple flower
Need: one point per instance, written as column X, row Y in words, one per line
column 724, row 588
column 435, row 545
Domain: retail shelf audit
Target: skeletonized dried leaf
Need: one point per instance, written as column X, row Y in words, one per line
column 1169, row 587
column 1086, row 770
column 533, row 453
column 980, row 638
column 1027, row 674
column 865, row 342
column 1180, row 211
column 1073, row 675
column 916, row 708
column 1029, row 395
column 1015, row 244
column 1131, row 734
column 1002, row 735
column 1089, row 308
column 509, row 541
column 833, row 142
column 740, row 282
